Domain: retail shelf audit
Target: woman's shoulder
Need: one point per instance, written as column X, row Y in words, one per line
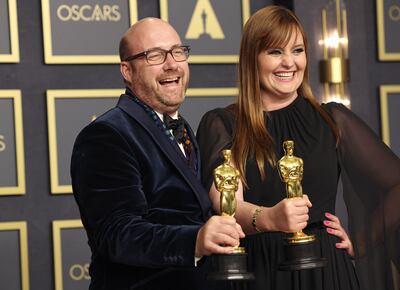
column 227, row 112
column 224, row 114
column 218, row 119
column 338, row 111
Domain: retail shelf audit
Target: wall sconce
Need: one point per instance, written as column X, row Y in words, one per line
column 334, row 68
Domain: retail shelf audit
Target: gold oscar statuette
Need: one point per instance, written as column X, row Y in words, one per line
column 226, row 179
column 291, row 173
column 228, row 266
column 301, row 250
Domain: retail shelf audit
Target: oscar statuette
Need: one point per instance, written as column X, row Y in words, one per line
column 301, row 251
column 228, row 266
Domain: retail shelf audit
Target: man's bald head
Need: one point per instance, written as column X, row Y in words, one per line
column 131, row 40
column 161, row 86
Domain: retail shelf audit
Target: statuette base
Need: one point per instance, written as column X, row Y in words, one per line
column 230, row 267
column 301, row 256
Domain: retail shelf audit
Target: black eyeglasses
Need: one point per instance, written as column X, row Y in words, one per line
column 159, row 55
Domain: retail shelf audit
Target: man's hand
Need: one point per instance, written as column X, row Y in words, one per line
column 218, row 236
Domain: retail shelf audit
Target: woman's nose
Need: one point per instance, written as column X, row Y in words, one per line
column 287, row 60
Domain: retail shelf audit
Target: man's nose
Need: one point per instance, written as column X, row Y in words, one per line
column 170, row 62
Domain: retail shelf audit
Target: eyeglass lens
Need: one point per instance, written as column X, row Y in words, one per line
column 158, row 56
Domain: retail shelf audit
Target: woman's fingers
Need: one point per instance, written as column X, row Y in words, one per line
column 335, row 228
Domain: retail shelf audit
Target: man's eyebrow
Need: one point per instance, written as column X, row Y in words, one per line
column 157, row 47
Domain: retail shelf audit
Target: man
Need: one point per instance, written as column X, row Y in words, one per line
column 145, row 212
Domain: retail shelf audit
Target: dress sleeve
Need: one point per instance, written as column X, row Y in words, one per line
column 370, row 173
column 213, row 135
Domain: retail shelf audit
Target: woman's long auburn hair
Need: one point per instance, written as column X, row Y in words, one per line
column 269, row 27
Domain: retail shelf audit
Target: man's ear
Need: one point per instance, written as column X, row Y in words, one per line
column 126, row 71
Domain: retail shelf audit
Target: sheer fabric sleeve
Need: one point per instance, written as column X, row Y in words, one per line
column 370, row 173
column 213, row 135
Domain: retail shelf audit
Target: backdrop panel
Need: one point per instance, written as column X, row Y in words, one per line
column 71, row 255
column 69, row 111
column 9, row 45
column 12, row 164
column 14, row 269
column 390, row 112
column 81, row 31
column 208, row 26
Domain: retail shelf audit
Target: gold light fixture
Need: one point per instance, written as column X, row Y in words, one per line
column 334, row 68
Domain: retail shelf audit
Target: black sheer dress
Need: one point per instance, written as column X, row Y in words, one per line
column 371, row 180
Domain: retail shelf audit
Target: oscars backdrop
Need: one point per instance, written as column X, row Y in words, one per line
column 59, row 71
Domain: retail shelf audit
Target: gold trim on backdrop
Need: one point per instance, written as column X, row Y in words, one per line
column 21, row 227
column 210, row 58
column 52, row 95
column 58, row 225
column 382, row 53
column 76, row 59
column 13, row 57
column 385, row 90
column 212, row 92
column 15, row 95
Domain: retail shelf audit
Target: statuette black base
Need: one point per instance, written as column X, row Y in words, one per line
column 302, row 256
column 229, row 267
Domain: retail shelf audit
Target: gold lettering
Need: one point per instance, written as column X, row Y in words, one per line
column 75, row 13
column 115, row 10
column 86, row 268
column 107, row 11
column 394, row 12
column 82, row 11
column 60, row 14
column 89, row 13
column 2, row 143
column 79, row 272
column 97, row 14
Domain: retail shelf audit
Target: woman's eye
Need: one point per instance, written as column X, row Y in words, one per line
column 274, row 52
column 298, row 50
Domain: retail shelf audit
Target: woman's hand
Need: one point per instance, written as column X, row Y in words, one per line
column 289, row 215
column 335, row 228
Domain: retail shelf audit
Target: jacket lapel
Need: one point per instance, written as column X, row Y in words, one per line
column 128, row 105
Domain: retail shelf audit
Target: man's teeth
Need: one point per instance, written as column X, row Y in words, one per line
column 170, row 80
column 284, row 75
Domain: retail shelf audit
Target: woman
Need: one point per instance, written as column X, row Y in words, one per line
column 276, row 104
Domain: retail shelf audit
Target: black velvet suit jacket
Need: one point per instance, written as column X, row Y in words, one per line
column 141, row 205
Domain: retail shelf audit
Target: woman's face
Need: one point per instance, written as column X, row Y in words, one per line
column 281, row 71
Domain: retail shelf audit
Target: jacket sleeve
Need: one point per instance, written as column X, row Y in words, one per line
column 107, row 184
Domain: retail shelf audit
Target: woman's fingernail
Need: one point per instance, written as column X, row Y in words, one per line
column 327, row 214
column 329, row 231
column 327, row 223
column 338, row 245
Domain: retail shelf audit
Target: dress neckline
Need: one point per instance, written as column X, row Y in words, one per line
column 293, row 104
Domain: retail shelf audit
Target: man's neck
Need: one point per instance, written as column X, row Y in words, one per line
column 173, row 114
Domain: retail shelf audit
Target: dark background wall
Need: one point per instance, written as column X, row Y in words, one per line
column 39, row 208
